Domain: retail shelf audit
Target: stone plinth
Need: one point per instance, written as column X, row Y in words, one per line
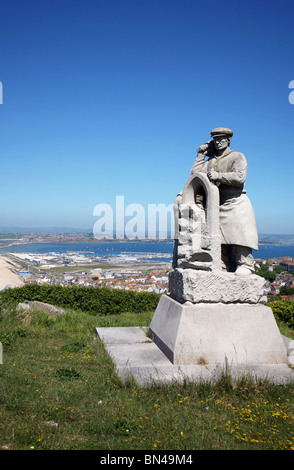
column 233, row 334
column 204, row 286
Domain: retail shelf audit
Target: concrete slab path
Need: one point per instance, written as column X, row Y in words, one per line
column 136, row 356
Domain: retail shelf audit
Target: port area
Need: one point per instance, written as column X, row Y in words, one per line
column 131, row 271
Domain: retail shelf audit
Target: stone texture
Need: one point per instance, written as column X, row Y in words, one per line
column 197, row 229
column 289, row 343
column 203, row 286
column 36, row 305
column 217, row 333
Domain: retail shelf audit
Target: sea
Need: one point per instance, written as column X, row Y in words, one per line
column 130, row 251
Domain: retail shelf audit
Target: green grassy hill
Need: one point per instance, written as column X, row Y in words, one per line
column 59, row 391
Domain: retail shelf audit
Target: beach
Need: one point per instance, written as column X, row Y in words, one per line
column 8, row 275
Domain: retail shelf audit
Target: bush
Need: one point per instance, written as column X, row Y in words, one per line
column 95, row 300
column 284, row 290
column 283, row 311
column 264, row 272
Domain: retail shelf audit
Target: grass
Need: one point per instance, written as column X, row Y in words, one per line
column 59, row 391
column 286, row 331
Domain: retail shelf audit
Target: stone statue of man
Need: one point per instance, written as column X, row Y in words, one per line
column 228, row 169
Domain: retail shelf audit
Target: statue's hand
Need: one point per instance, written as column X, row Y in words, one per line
column 207, row 148
column 212, row 175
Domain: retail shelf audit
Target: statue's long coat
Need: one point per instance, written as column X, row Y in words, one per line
column 237, row 218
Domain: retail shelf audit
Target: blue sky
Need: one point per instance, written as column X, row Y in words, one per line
column 106, row 98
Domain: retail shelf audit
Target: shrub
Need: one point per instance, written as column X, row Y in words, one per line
column 283, row 311
column 284, row 290
column 95, row 300
column 5, row 339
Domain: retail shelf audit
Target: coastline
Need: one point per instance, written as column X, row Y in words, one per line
column 8, row 276
column 41, row 262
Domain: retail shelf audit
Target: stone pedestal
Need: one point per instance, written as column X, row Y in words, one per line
column 225, row 334
column 204, row 286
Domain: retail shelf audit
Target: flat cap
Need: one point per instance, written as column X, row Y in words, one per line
column 221, row 131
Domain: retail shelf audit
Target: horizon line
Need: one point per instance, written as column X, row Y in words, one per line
column 79, row 230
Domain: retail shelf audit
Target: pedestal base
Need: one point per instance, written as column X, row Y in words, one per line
column 232, row 334
column 206, row 286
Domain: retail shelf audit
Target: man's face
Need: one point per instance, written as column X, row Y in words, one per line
column 221, row 142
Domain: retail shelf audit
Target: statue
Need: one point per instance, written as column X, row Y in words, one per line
column 227, row 169
column 213, row 312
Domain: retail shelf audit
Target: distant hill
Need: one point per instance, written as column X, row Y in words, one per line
column 276, row 239
column 264, row 238
column 44, row 230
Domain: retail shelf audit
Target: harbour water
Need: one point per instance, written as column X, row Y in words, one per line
column 152, row 251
